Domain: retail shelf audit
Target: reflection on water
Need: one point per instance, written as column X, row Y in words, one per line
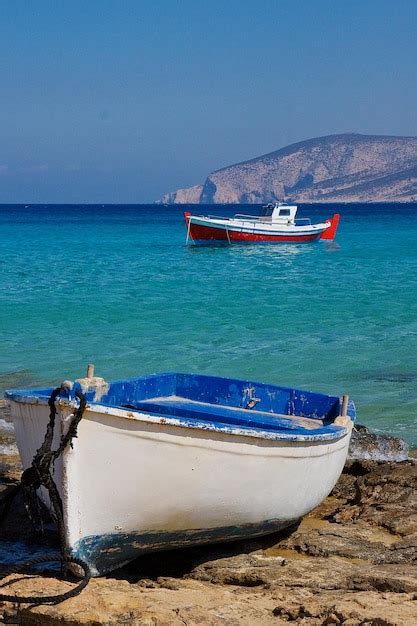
column 331, row 246
column 273, row 251
column 255, row 250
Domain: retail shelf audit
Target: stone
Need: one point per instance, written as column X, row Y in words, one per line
column 352, row 561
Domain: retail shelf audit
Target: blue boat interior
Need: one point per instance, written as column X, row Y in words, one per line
column 221, row 401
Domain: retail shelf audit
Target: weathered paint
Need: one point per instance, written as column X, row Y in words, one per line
column 215, row 403
column 142, row 477
column 104, row 553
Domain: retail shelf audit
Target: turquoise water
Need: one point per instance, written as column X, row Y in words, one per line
column 116, row 285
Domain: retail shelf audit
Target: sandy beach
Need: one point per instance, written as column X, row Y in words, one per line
column 352, row 561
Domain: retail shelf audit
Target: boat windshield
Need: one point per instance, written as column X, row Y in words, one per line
column 266, row 211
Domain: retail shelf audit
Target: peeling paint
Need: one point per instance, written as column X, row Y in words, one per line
column 140, row 426
column 105, row 553
column 96, row 384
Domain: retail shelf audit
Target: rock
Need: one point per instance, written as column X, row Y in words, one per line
column 244, row 570
column 359, row 609
column 7, row 439
column 191, row 195
column 387, row 497
column 309, row 573
column 352, row 561
column 10, row 468
column 336, row 168
column 110, row 601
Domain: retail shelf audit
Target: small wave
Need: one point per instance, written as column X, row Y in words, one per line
column 7, row 444
column 8, row 449
column 17, row 378
column 6, row 427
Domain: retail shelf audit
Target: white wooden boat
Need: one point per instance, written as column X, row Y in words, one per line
column 171, row 460
column 277, row 223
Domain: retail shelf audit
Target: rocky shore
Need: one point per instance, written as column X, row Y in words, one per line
column 336, row 168
column 352, row 561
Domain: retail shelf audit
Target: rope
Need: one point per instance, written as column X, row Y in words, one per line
column 228, row 237
column 188, row 232
column 57, row 598
column 39, row 474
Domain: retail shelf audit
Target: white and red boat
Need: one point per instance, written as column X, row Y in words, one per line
column 276, row 223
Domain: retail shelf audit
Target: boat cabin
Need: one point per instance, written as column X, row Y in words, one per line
column 279, row 213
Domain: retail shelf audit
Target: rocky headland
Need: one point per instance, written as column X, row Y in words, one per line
column 335, row 168
column 352, row 561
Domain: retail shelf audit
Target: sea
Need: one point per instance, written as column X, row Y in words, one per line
column 115, row 285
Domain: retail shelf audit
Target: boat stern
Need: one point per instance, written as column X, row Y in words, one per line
column 330, row 233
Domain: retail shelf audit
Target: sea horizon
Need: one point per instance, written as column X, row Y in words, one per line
column 157, row 203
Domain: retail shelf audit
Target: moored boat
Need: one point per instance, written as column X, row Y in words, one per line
column 277, row 223
column 172, row 460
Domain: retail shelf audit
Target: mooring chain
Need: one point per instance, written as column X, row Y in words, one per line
column 39, row 474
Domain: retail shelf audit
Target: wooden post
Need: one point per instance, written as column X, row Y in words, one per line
column 90, row 370
column 345, row 401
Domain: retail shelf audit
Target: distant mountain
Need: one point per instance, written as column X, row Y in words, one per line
column 336, row 168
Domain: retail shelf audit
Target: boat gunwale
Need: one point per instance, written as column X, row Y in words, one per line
column 195, row 424
column 238, row 225
column 26, row 396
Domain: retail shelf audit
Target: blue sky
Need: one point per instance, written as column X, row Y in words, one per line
column 120, row 101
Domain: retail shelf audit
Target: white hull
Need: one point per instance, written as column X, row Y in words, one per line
column 134, row 483
column 260, row 227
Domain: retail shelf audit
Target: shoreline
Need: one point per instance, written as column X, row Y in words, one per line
column 350, row 561
column 7, row 434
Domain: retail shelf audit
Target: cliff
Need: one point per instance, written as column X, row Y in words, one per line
column 190, row 195
column 336, row 168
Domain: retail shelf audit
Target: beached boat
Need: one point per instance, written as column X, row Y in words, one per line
column 277, row 223
column 172, row 460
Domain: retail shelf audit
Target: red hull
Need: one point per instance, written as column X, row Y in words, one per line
column 200, row 233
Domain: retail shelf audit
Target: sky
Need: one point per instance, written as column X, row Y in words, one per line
column 120, row 101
